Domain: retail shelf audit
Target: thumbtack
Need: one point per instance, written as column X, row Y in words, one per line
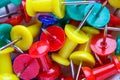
column 49, row 70
column 55, row 6
column 74, row 37
column 100, row 15
column 23, row 36
column 5, row 37
column 24, row 66
column 103, row 44
column 115, row 3
column 55, row 36
column 47, row 20
column 103, row 72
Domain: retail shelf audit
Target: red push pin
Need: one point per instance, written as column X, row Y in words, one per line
column 23, row 9
column 26, row 67
column 103, row 72
column 114, row 21
column 103, row 44
column 55, row 36
column 19, row 15
column 50, row 71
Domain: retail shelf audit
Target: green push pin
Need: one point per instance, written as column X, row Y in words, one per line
column 5, row 30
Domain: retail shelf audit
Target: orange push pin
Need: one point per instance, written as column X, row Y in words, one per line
column 74, row 37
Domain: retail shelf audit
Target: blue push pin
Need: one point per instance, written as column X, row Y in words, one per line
column 100, row 15
column 4, row 3
column 47, row 20
column 117, row 51
column 76, row 12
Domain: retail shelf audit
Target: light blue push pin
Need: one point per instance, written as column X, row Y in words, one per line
column 4, row 3
column 117, row 51
column 76, row 12
column 100, row 15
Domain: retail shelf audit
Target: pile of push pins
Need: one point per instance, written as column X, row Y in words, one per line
column 59, row 39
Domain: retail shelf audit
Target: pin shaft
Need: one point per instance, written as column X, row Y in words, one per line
column 72, row 69
column 78, row 2
column 11, row 43
column 111, row 28
column 80, row 65
column 85, row 18
column 2, row 16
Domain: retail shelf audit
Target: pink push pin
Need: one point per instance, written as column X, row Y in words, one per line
column 49, row 70
column 26, row 67
column 103, row 44
column 55, row 36
column 103, row 72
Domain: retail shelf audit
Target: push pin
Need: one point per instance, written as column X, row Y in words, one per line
column 49, row 70
column 4, row 3
column 19, row 15
column 100, row 15
column 76, row 10
column 103, row 45
column 11, row 20
column 55, row 36
column 26, row 67
column 80, row 58
column 115, row 4
column 114, row 21
column 23, row 36
column 103, row 72
column 74, row 37
column 83, row 55
column 5, row 36
column 6, row 71
column 86, row 47
column 46, row 20
column 57, row 7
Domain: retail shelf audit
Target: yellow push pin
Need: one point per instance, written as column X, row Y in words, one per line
column 23, row 36
column 114, row 3
column 6, row 72
column 55, row 6
column 80, row 57
column 84, row 48
column 74, row 37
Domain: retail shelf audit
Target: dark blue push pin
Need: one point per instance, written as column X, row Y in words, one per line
column 46, row 20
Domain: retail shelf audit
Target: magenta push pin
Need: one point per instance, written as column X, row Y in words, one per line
column 26, row 67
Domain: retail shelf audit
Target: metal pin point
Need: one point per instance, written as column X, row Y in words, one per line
column 78, row 2
column 97, row 57
column 104, row 36
column 80, row 65
column 111, row 28
column 72, row 69
column 10, row 44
